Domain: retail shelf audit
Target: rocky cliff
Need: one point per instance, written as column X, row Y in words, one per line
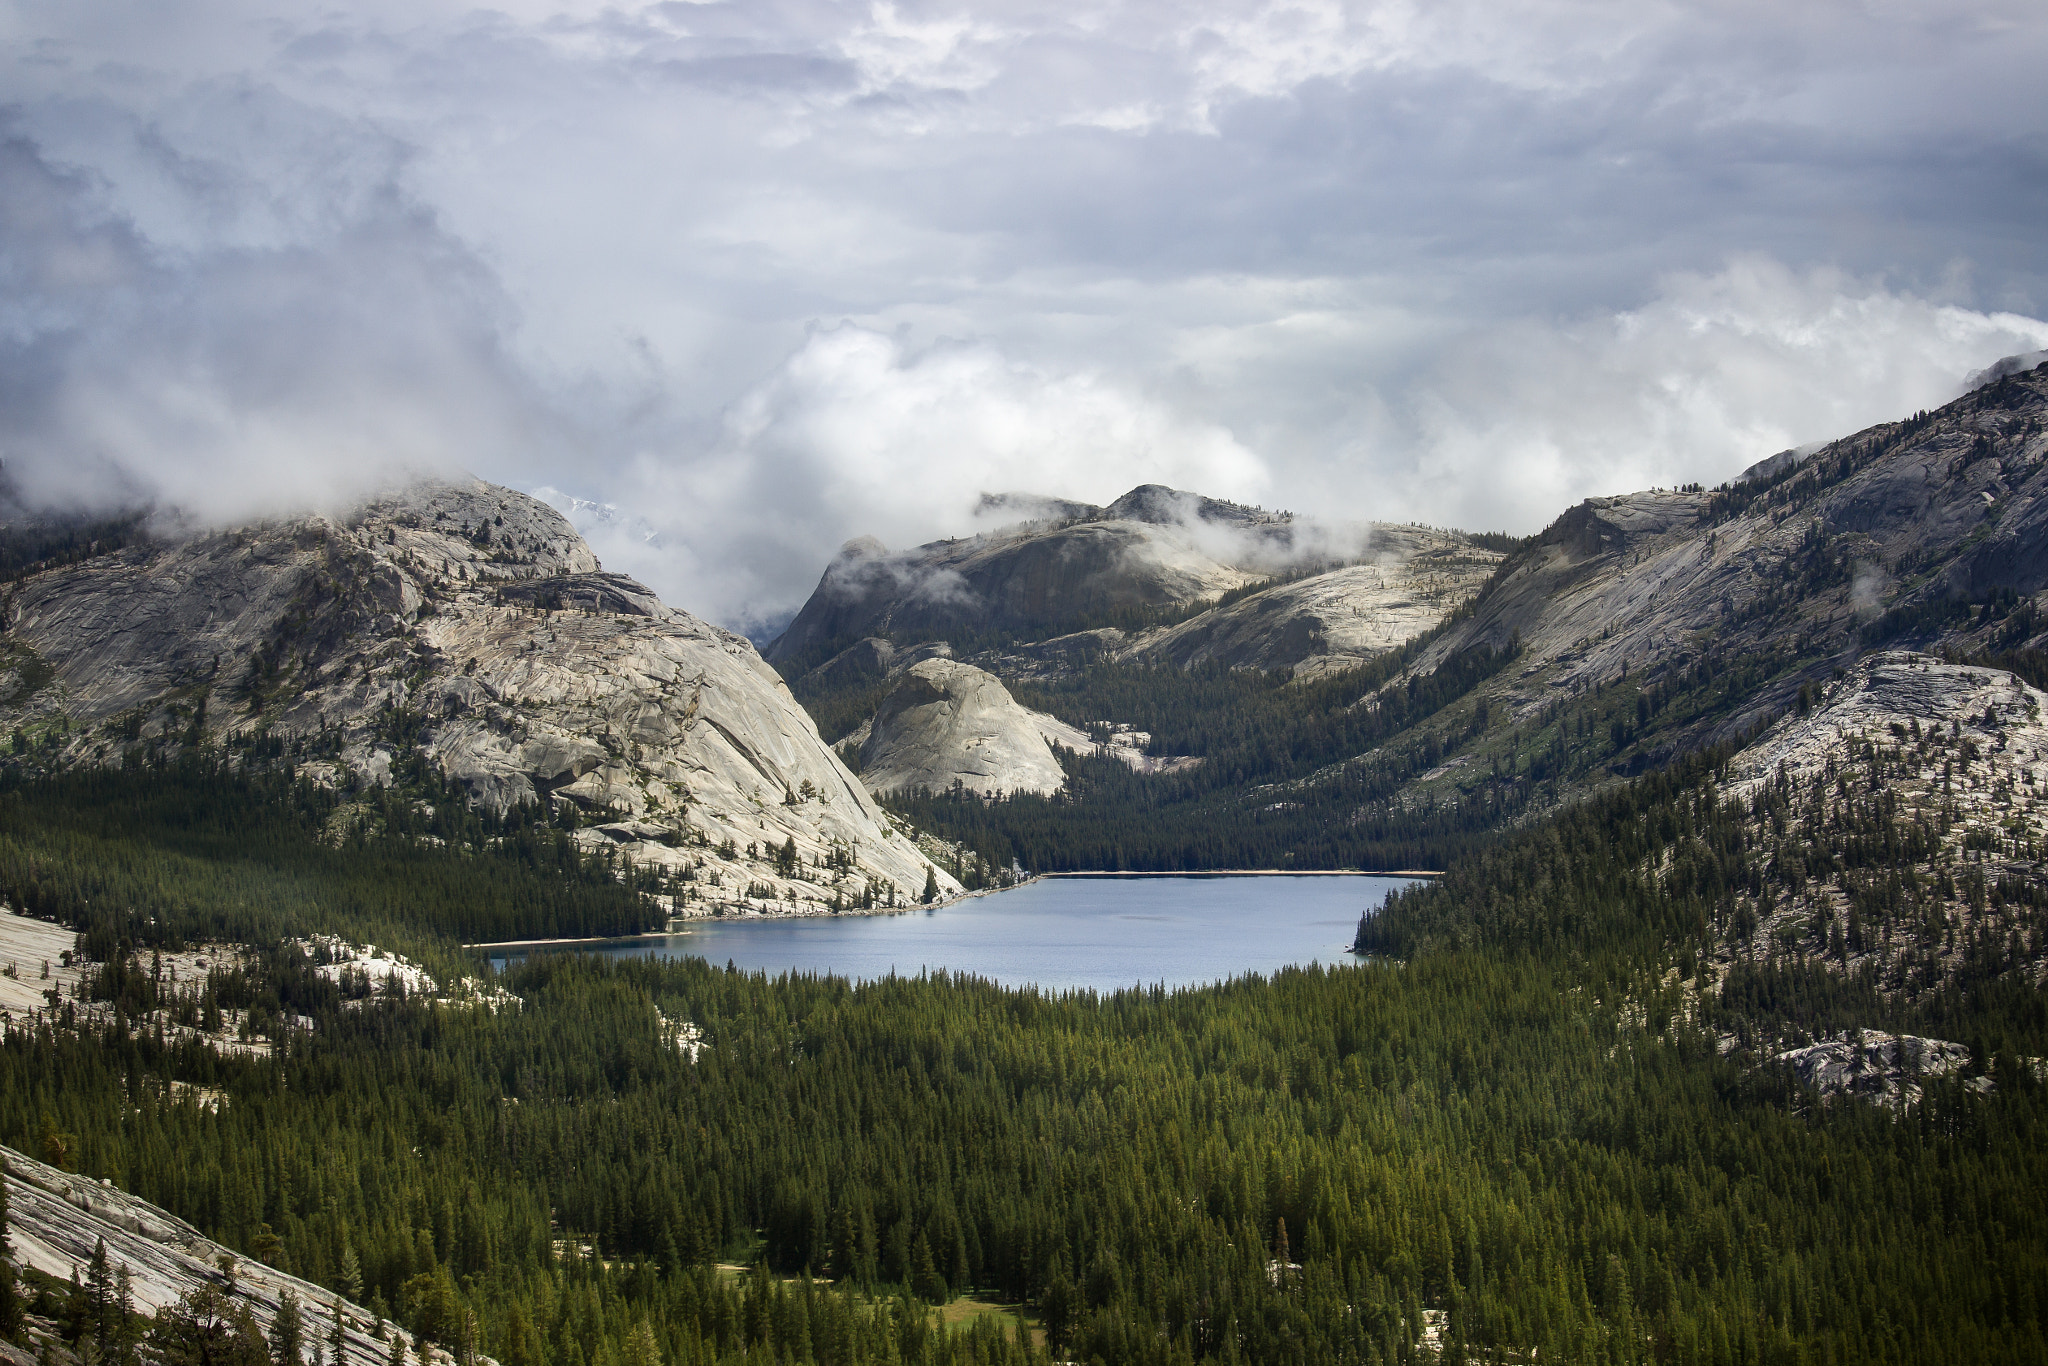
column 1335, row 620
column 1065, row 565
column 469, row 627
column 1953, row 758
column 943, row 722
column 56, row 1219
column 1879, row 536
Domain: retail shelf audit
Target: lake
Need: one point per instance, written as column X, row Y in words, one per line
column 1056, row 933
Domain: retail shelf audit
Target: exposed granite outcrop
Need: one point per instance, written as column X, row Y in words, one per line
column 471, row 625
column 1336, row 620
column 1068, row 565
column 56, row 1219
column 1807, row 551
column 945, row 722
column 1885, row 1069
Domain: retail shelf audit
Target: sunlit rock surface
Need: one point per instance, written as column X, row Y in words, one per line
column 471, row 625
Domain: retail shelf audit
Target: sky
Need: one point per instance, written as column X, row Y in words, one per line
column 734, row 283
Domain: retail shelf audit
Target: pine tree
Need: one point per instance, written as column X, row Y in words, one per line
column 10, row 1302
column 931, row 884
column 125, row 1328
column 287, row 1332
column 641, row 1349
column 925, row 1281
column 59, row 1148
column 102, row 1300
column 351, row 1272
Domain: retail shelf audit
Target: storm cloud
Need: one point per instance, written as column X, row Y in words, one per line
column 767, row 276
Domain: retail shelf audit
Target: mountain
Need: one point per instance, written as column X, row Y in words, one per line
column 1335, row 620
column 1160, row 578
column 1632, row 632
column 944, row 722
column 1062, row 567
column 1928, row 528
column 465, row 631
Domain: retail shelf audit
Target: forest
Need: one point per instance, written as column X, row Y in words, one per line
column 1506, row 1134
column 1345, row 771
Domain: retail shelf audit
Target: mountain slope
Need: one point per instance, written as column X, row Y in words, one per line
column 57, row 1219
column 1334, row 620
column 1153, row 549
column 944, row 722
column 1634, row 631
column 1889, row 534
column 466, row 628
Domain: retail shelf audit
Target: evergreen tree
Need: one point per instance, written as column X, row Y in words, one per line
column 10, row 1301
column 351, row 1272
column 102, row 1300
column 125, row 1331
column 287, row 1332
column 925, row 1281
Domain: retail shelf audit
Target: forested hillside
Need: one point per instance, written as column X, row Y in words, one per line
column 1633, row 631
column 1525, row 1136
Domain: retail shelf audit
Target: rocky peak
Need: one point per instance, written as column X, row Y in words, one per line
column 944, row 722
column 469, row 624
column 1163, row 506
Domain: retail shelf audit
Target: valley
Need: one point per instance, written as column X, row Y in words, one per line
column 1721, row 1037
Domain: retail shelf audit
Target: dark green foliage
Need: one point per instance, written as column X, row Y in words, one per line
column 194, row 850
column 287, row 1331
column 1280, row 783
column 205, row 1328
column 29, row 545
column 1516, row 1129
column 1469, row 1132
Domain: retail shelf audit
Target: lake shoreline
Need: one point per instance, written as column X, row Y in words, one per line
column 883, row 911
column 1101, row 934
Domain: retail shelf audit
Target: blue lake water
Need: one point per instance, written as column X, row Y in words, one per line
column 1057, row 933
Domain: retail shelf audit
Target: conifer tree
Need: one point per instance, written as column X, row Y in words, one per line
column 925, row 1281
column 10, row 1302
column 351, row 1272
column 287, row 1332
column 102, row 1298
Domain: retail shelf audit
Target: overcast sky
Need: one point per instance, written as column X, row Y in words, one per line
column 765, row 276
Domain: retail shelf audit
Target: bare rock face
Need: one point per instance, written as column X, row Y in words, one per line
column 1812, row 547
column 470, row 625
column 945, row 722
column 1884, row 1069
column 1335, row 620
column 56, row 1219
column 1925, row 709
column 1153, row 548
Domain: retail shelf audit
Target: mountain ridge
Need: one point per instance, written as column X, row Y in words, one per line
column 468, row 628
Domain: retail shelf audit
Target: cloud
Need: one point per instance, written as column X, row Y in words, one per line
column 855, row 433
column 233, row 381
column 1716, row 372
column 767, row 276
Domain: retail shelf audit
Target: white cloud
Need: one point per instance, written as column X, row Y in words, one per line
column 853, row 434
column 770, row 275
column 1715, row 373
